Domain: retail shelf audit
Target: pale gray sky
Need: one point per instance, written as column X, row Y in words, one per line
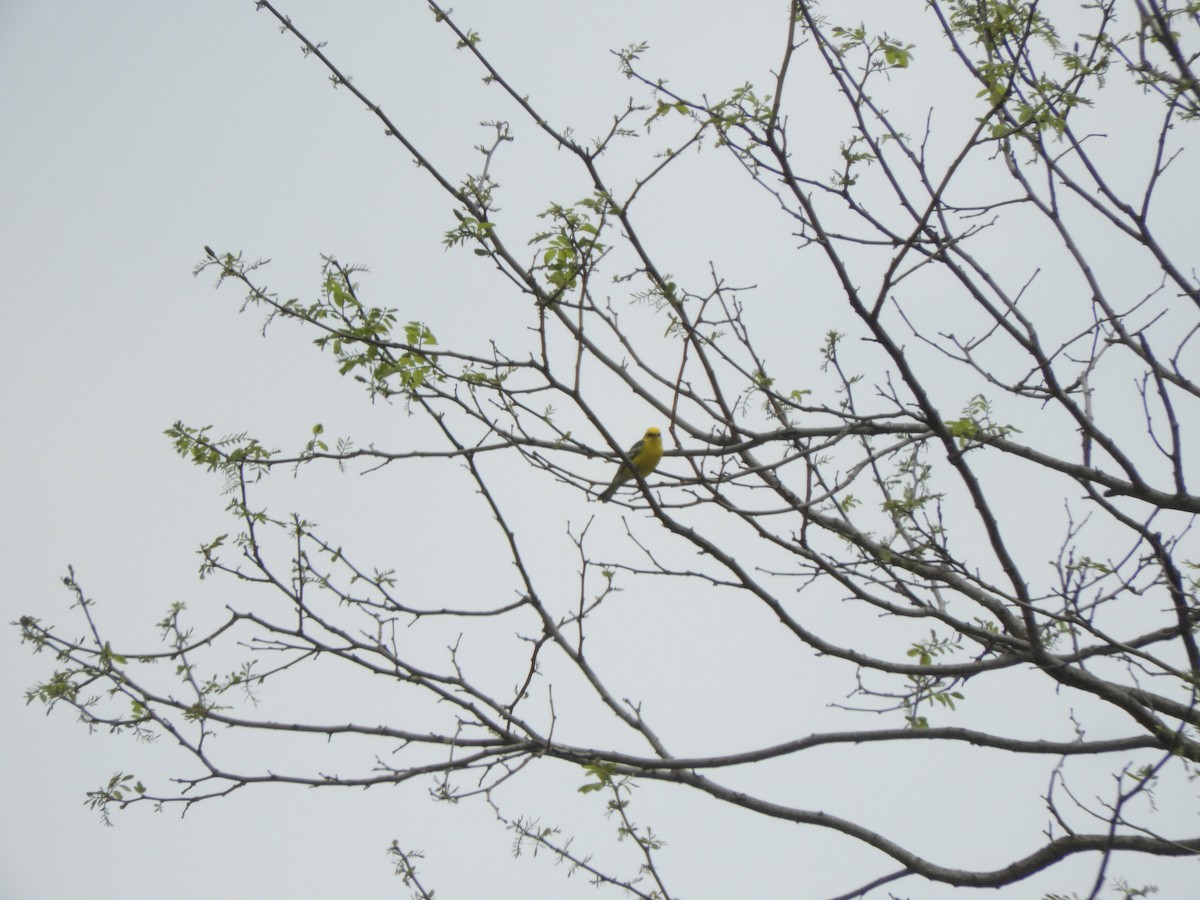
column 134, row 134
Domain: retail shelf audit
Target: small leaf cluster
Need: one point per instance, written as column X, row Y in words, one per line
column 930, row 688
column 226, row 454
column 884, row 52
column 571, row 246
column 114, row 792
column 976, row 424
column 469, row 230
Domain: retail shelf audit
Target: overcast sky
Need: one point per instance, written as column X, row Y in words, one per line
column 136, row 133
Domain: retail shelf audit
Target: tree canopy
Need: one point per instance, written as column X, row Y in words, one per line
column 922, row 532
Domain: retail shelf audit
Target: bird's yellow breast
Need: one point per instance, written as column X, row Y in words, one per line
column 650, row 453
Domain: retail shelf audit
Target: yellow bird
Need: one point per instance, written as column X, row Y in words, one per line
column 644, row 455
